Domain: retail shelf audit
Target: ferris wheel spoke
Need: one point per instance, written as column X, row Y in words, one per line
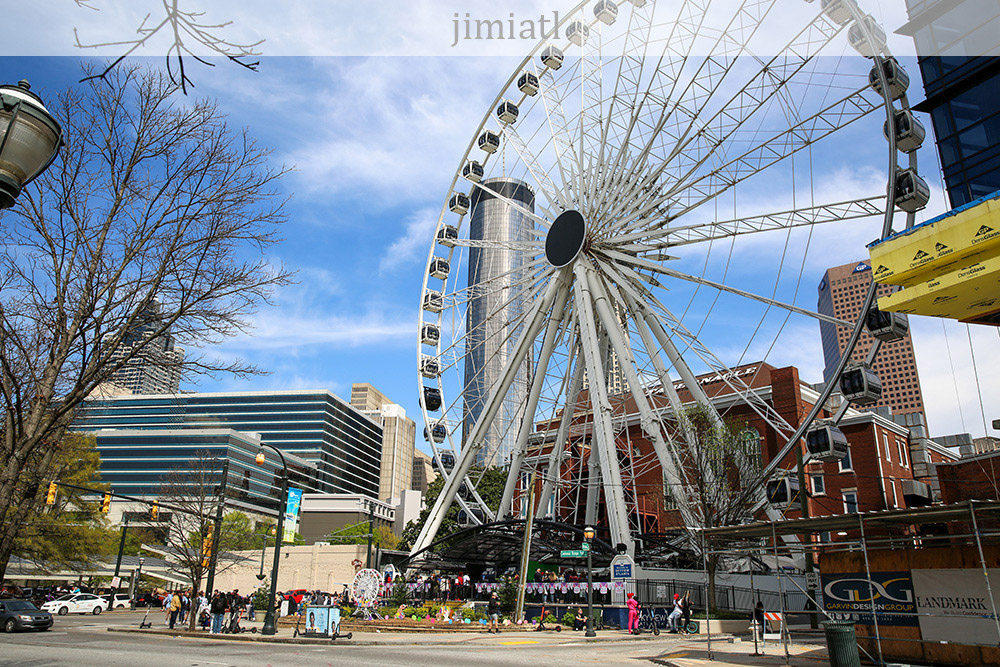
column 555, row 328
column 625, row 97
column 505, row 245
column 517, row 275
column 773, row 77
column 475, row 439
column 517, row 206
column 647, row 119
column 758, row 158
column 800, row 217
column 544, row 181
column 680, row 275
column 646, row 302
column 561, row 129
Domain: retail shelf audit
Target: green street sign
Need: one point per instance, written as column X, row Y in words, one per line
column 586, row 546
column 573, row 553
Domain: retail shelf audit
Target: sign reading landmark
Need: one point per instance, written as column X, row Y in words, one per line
column 955, row 603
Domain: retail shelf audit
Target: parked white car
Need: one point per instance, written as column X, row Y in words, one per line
column 121, row 601
column 76, row 603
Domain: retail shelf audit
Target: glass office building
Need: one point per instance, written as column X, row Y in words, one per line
column 958, row 44
column 162, row 462
column 324, row 431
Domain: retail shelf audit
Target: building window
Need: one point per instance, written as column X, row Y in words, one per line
column 824, row 536
column 885, row 445
column 845, row 463
column 895, row 498
column 850, row 501
column 818, row 485
column 901, row 450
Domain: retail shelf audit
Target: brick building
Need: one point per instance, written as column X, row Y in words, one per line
column 881, row 471
column 971, row 478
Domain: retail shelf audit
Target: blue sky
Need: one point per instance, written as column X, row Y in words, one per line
column 375, row 142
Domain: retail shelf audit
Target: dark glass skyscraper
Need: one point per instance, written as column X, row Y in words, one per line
column 494, row 315
column 958, row 46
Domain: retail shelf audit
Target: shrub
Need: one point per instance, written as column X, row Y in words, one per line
column 468, row 613
column 568, row 618
column 550, row 619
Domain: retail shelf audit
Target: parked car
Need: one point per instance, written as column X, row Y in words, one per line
column 121, row 601
column 77, row 603
column 23, row 615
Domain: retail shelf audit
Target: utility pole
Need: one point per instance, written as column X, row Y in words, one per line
column 529, row 521
column 217, row 532
column 807, row 539
column 118, row 563
column 371, row 530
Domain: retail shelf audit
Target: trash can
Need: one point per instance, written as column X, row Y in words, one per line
column 842, row 644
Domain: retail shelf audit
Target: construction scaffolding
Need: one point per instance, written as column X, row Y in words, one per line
column 920, row 585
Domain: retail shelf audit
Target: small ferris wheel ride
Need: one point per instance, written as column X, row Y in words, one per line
column 604, row 236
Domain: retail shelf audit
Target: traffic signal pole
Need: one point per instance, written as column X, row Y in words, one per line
column 118, row 564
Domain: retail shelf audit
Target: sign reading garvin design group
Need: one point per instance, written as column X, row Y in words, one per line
column 954, row 603
column 848, row 597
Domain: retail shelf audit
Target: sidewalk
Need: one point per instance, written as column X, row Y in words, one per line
column 431, row 638
column 741, row 652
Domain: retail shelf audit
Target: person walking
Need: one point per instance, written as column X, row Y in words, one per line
column 218, row 609
column 759, row 620
column 493, row 610
column 175, row 609
column 633, row 614
column 167, row 600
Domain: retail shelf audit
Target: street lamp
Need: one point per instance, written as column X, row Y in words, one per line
column 29, row 140
column 588, row 538
column 270, row 624
column 263, row 549
column 135, row 586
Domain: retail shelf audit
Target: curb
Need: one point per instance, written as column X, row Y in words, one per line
column 250, row 637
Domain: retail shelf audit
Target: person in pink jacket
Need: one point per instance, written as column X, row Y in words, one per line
column 633, row 614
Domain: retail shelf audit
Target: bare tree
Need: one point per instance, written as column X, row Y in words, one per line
column 717, row 461
column 187, row 30
column 153, row 200
column 191, row 494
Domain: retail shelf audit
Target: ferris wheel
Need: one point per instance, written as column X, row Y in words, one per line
column 635, row 209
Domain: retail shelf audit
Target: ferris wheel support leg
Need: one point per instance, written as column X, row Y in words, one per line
column 650, row 424
column 475, row 442
column 603, row 439
column 690, row 381
column 593, row 490
column 559, row 446
column 528, row 420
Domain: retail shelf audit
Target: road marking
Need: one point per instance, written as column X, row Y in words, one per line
column 526, row 641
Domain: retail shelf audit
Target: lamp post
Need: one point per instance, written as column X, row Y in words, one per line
column 263, row 549
column 29, row 140
column 588, row 538
column 135, row 587
column 270, row 624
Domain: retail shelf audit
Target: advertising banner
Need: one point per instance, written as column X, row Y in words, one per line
column 954, row 603
column 848, row 597
column 292, row 507
column 318, row 621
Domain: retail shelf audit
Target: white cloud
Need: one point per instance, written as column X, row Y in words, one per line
column 413, row 244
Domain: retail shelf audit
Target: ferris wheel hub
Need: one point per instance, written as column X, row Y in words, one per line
column 565, row 239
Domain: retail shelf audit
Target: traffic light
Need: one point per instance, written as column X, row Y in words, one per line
column 50, row 499
column 106, row 503
column 206, row 550
column 154, row 511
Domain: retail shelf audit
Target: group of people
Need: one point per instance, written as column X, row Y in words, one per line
column 677, row 620
column 444, row 587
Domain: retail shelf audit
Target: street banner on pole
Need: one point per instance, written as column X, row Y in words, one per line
column 292, row 507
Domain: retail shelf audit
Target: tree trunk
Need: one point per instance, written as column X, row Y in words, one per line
column 711, row 565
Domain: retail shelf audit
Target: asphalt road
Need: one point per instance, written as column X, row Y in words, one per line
column 85, row 641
